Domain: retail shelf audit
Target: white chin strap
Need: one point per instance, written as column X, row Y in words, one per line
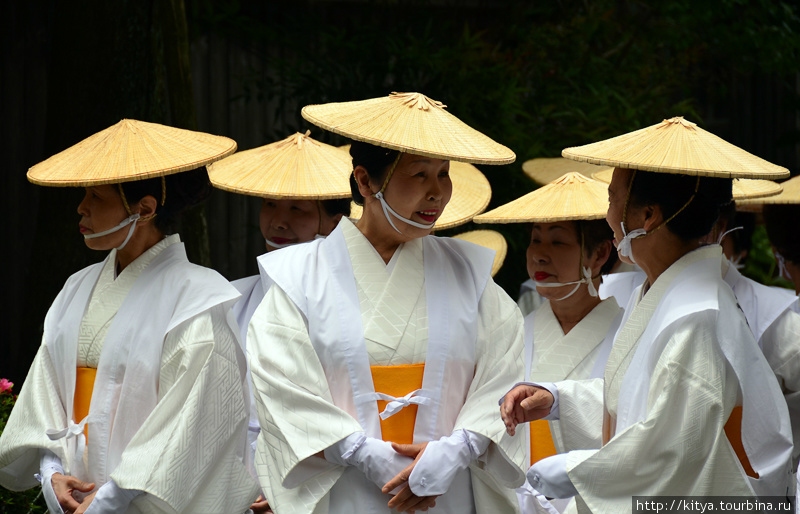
column 587, row 279
column 278, row 246
column 624, row 246
column 388, row 210
column 722, row 236
column 133, row 218
column 782, row 271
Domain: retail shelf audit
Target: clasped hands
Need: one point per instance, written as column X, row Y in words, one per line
column 405, row 500
column 525, row 403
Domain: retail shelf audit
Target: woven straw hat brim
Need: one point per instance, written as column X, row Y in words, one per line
column 490, row 239
column 789, row 195
column 295, row 168
column 471, row 195
column 544, row 170
column 130, row 150
column 410, row 123
column 571, row 197
column 676, row 146
column 743, row 188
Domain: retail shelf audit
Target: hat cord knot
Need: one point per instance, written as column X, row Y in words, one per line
column 417, row 100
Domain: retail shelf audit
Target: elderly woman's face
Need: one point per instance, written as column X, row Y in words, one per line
column 100, row 210
column 290, row 221
column 554, row 255
column 419, row 190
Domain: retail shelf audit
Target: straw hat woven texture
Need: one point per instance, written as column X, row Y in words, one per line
column 547, row 169
column 130, row 150
column 743, row 188
column 471, row 195
column 294, row 168
column 490, row 239
column 676, row 146
column 571, row 197
column 411, row 123
column 790, row 194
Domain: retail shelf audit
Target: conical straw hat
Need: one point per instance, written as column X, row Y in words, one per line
column 571, row 197
column 130, row 150
column 411, row 123
column 676, row 146
column 295, row 168
column 743, row 188
column 790, row 195
column 490, row 239
column 471, row 195
column 544, row 170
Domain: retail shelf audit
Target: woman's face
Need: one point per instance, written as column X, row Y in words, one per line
column 293, row 221
column 554, row 255
column 100, row 210
column 617, row 194
column 419, row 190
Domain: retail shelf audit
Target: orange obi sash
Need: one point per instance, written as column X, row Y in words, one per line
column 733, row 430
column 398, row 381
column 542, row 444
column 84, row 385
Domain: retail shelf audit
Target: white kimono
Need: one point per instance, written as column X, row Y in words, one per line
column 336, row 309
column 776, row 327
column 681, row 362
column 552, row 356
column 168, row 412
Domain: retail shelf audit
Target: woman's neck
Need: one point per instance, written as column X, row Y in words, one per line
column 661, row 251
column 377, row 235
column 138, row 244
column 571, row 311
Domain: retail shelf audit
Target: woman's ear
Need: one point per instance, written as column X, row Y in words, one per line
column 362, row 180
column 147, row 207
column 600, row 256
column 652, row 217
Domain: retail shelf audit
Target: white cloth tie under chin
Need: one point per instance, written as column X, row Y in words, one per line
column 133, row 218
column 395, row 405
column 782, row 271
column 624, row 246
column 587, row 279
column 388, row 210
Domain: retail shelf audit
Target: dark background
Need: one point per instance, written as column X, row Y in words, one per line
column 537, row 76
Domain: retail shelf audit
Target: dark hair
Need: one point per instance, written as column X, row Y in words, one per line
column 595, row 233
column 334, row 207
column 183, row 190
column 781, row 221
column 374, row 159
column 672, row 191
column 743, row 238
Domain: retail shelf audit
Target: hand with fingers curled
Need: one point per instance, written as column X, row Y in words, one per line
column 260, row 506
column 525, row 403
column 405, row 500
column 71, row 492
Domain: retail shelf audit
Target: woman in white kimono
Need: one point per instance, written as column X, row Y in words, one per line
column 569, row 337
column 684, row 359
column 305, row 189
column 379, row 335
column 136, row 400
column 781, row 218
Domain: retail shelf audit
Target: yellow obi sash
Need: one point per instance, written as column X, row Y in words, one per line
column 542, row 444
column 733, row 430
column 398, row 381
column 84, row 385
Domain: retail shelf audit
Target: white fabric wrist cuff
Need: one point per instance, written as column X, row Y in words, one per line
column 49, row 465
column 343, row 452
column 549, row 477
column 112, row 498
column 551, row 387
column 442, row 460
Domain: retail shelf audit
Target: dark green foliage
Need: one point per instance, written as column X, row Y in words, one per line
column 536, row 76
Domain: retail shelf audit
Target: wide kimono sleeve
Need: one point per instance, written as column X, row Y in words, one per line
column 188, row 455
column 295, row 408
column 680, row 447
column 499, row 365
column 37, row 409
column 780, row 343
